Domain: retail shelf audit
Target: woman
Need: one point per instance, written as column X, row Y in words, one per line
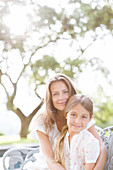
column 49, row 124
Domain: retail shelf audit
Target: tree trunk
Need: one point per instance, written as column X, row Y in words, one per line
column 25, row 121
column 24, row 127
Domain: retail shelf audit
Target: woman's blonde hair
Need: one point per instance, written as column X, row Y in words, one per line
column 72, row 102
column 50, row 114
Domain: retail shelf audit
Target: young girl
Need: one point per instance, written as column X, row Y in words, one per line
column 77, row 148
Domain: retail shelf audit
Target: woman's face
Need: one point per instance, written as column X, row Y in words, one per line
column 59, row 94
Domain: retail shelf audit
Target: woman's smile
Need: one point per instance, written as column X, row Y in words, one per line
column 62, row 103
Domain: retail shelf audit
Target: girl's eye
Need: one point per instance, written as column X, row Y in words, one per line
column 74, row 115
column 84, row 117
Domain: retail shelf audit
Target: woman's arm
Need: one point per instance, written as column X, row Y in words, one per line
column 89, row 166
column 103, row 152
column 48, row 151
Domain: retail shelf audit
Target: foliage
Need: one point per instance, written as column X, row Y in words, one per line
column 1, row 133
column 94, row 14
column 103, row 109
column 47, row 26
column 104, row 115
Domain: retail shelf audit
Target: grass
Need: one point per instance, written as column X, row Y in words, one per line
column 15, row 139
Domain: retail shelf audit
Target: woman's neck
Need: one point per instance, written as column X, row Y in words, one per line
column 61, row 120
column 60, row 114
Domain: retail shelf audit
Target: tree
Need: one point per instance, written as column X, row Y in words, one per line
column 103, row 112
column 104, row 115
column 47, row 26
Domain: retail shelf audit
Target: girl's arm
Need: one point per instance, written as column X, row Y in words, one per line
column 103, row 152
column 48, row 151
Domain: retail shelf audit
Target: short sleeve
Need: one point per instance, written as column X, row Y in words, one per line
column 91, row 123
column 92, row 151
column 38, row 126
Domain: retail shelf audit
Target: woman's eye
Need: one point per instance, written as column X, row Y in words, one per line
column 55, row 94
column 66, row 91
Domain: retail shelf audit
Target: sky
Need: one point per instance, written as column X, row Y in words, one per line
column 103, row 51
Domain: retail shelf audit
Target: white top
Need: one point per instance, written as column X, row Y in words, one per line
column 84, row 148
column 53, row 134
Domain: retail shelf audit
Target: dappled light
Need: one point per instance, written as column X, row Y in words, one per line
column 16, row 20
column 41, row 38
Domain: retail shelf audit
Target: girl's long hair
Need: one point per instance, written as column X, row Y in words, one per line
column 72, row 102
column 59, row 150
column 50, row 114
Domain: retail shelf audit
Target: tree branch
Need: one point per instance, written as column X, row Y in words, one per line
column 36, row 109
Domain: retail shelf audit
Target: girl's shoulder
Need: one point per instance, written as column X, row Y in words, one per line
column 90, row 138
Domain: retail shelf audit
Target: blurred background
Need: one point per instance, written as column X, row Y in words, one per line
column 39, row 38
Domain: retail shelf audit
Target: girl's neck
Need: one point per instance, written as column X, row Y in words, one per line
column 70, row 137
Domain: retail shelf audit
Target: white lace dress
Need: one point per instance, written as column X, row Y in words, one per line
column 40, row 163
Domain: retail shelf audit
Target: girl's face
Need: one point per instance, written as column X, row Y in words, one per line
column 59, row 94
column 77, row 119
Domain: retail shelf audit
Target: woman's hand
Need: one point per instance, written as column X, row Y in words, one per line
column 103, row 152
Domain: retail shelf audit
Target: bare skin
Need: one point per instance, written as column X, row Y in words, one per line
column 103, row 152
column 89, row 166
